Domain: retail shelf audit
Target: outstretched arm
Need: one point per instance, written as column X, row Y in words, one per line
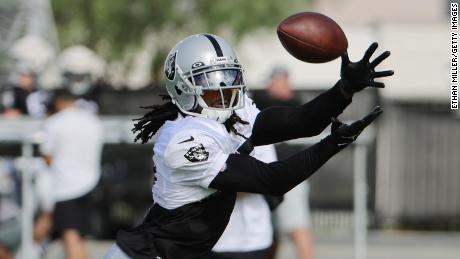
column 244, row 173
column 283, row 123
column 276, row 124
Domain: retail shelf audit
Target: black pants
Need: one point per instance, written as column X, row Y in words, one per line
column 259, row 254
column 186, row 232
column 70, row 214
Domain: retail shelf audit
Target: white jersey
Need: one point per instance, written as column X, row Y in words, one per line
column 36, row 103
column 73, row 138
column 250, row 227
column 190, row 151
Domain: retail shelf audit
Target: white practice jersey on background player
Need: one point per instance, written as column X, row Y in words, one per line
column 250, row 227
column 190, row 151
column 73, row 138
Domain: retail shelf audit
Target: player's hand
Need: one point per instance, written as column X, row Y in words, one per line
column 344, row 134
column 355, row 76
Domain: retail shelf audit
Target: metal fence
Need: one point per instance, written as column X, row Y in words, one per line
column 418, row 175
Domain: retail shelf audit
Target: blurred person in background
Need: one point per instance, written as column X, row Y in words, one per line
column 81, row 70
column 14, row 98
column 293, row 215
column 23, row 95
column 249, row 232
column 293, row 218
column 72, row 148
column 10, row 211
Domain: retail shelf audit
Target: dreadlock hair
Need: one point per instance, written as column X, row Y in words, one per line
column 149, row 124
column 230, row 124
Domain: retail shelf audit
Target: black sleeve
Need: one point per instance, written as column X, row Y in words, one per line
column 247, row 174
column 277, row 124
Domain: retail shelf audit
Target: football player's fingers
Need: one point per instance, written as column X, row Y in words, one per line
column 368, row 119
column 335, row 123
column 345, row 58
column 377, row 84
column 380, row 58
column 382, row 73
column 356, row 127
column 350, row 138
column 370, row 51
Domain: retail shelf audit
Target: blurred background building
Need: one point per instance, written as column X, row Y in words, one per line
column 413, row 162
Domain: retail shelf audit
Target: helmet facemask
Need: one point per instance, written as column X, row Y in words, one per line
column 79, row 84
column 219, row 90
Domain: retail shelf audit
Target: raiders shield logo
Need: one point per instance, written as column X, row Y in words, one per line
column 197, row 64
column 170, row 70
column 197, row 154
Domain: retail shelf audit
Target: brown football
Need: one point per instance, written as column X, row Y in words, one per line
column 312, row 37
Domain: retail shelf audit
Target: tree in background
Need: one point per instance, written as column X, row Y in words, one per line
column 117, row 28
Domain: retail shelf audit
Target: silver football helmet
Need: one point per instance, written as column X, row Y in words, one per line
column 201, row 63
column 80, row 68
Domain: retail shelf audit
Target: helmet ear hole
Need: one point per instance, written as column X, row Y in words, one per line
column 179, row 92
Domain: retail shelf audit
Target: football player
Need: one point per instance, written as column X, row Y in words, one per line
column 205, row 137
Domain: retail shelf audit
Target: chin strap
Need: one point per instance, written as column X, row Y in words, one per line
column 218, row 115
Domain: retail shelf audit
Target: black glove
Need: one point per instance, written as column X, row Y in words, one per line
column 355, row 76
column 344, row 134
